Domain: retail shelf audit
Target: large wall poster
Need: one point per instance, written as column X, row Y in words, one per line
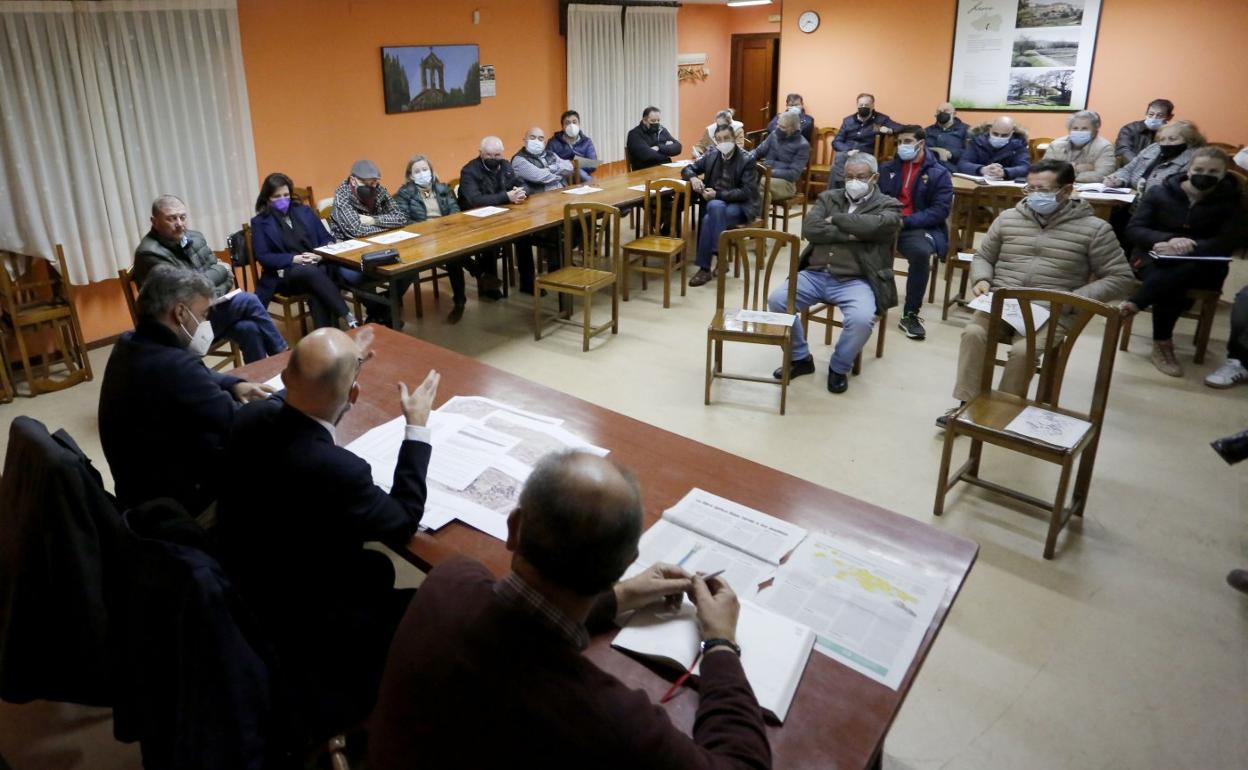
column 1023, row 54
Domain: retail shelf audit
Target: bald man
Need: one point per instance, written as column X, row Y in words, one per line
column 470, row 645
column 293, row 524
column 538, row 165
column 997, row 151
column 947, row 137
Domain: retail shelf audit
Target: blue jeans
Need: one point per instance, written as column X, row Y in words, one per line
column 243, row 319
column 917, row 246
column 854, row 298
column 719, row 217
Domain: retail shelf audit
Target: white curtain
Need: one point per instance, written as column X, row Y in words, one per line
column 597, row 77
column 108, row 105
column 650, row 58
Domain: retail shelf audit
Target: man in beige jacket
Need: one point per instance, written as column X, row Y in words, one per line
column 1048, row 241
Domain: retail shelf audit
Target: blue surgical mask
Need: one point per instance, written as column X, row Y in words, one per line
column 1080, row 138
column 907, row 151
column 1154, row 123
column 998, row 142
column 423, row 178
column 1043, row 203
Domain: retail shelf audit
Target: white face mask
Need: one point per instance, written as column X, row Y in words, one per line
column 857, row 189
column 201, row 339
column 795, row 109
column 423, row 178
column 572, row 130
column 726, row 148
column 535, row 146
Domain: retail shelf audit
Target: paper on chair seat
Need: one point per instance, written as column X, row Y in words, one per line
column 1050, row 427
column 1011, row 313
column 966, row 256
column 348, row 245
column 485, row 211
column 392, row 237
column 765, row 317
column 582, row 190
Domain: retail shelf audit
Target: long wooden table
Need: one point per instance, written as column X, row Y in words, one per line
column 445, row 238
column 839, row 717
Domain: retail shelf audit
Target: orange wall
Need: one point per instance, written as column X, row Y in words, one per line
column 709, row 29
column 902, row 50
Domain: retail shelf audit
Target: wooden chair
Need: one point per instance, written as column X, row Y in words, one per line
column 781, row 211
column 7, row 391
column 304, row 194
column 674, row 196
column 1226, row 147
column 822, row 157
column 41, row 313
column 985, row 417
column 885, row 146
column 223, row 350
column 974, row 214
column 325, row 209
column 1203, row 310
column 764, row 210
column 757, row 250
column 1037, row 147
column 598, row 226
column 294, row 306
column 825, row 314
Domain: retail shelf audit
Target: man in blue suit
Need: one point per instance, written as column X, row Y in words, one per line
column 917, row 179
column 998, row 151
column 293, row 539
column 164, row 416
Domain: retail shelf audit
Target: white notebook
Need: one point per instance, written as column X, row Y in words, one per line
column 774, row 649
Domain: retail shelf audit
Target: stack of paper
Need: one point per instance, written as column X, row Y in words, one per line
column 1011, row 313
column 966, row 256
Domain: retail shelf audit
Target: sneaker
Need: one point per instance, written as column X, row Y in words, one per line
column 837, row 382
column 1164, row 360
column 796, row 368
column 702, row 276
column 942, row 421
column 1230, row 373
column 912, row 325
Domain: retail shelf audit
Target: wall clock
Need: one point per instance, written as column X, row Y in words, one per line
column 808, row 22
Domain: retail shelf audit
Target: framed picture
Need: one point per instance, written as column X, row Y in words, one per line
column 1023, row 54
column 430, row 77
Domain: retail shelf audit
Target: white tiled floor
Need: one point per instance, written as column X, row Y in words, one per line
column 1126, row 651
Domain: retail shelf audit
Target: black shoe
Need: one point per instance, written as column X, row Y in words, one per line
column 796, row 368
column 488, row 287
column 702, row 276
column 942, row 421
column 837, row 383
column 457, row 312
column 912, row 325
column 1238, row 579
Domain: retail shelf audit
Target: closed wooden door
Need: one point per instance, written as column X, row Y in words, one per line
column 755, row 73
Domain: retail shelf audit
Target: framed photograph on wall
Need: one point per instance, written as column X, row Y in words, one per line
column 1023, row 54
column 430, row 77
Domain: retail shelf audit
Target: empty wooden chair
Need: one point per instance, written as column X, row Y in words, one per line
column 757, row 251
column 987, row 417
column 822, row 156
column 294, row 306
column 655, row 253
column 1037, row 147
column 597, row 228
column 41, row 315
column 223, row 351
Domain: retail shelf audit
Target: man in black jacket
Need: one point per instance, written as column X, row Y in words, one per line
column 729, row 185
column 293, row 541
column 164, row 416
column 489, row 180
column 649, row 143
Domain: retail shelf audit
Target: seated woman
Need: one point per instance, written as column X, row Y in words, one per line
column 423, row 196
column 1167, row 156
column 722, row 118
column 1198, row 213
column 284, row 232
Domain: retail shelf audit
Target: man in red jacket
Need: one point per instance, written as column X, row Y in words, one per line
column 486, row 673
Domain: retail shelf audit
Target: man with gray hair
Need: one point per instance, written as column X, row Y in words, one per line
column 362, row 204
column 489, row 180
column 1083, row 147
column 239, row 315
column 163, row 415
column 848, row 263
column 786, row 153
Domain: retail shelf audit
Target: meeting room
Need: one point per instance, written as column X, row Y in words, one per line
column 749, row 384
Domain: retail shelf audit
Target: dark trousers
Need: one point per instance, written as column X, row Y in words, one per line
column 547, row 242
column 378, row 305
column 324, row 299
column 1237, row 345
column 917, row 246
column 243, row 319
column 1164, row 286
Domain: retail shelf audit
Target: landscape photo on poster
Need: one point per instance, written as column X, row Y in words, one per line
column 430, row 77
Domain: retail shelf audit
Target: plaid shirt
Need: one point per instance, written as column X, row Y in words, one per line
column 521, row 595
column 345, row 222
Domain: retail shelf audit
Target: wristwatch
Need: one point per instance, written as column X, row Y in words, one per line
column 708, row 644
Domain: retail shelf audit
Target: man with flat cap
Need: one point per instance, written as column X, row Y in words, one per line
column 363, row 207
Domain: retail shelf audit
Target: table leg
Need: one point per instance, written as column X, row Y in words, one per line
column 396, row 305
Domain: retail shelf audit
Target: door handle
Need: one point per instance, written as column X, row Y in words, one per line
column 766, row 108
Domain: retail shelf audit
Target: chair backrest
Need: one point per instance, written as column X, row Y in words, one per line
column 1229, row 149
column 757, row 250
column 962, row 221
column 764, row 180
column 1038, row 146
column 885, row 146
column 1069, row 316
column 304, row 194
column 672, row 194
column 575, row 178
column 131, row 291
column 37, row 282
column 821, row 151
column 598, row 226
column 454, row 185
column 253, row 272
column 325, row 208
column 991, row 201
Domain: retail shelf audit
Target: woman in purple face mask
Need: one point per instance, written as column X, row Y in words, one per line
column 284, row 232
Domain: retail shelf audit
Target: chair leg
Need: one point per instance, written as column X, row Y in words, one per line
column 537, row 312
column 706, row 397
column 1126, row 333
column 857, row 364
column 589, row 304
column 827, row 327
column 879, row 335
column 942, row 481
column 1059, row 505
column 625, row 264
column 931, row 284
column 944, row 309
column 1204, row 328
column 719, row 356
column 615, row 309
column 977, row 453
column 667, row 283
column 785, row 349
column 1083, row 479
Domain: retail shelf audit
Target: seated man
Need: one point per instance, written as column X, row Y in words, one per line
column 729, row 185
column 363, row 207
column 795, row 104
column 1084, row 148
column 722, row 118
column 571, row 142
column 1139, row 134
column 164, row 416
column 947, row 137
column 857, row 134
column 848, row 262
column 648, row 143
column 540, row 168
column 293, row 543
column 997, row 151
column 489, row 180
column 917, row 179
column 241, row 317
column 1048, row 241
column 786, row 153
column 515, row 646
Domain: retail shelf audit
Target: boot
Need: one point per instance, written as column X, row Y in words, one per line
column 1164, row 360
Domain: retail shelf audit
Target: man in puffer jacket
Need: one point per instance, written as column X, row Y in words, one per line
column 1047, row 241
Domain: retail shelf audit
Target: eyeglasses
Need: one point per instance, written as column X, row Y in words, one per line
column 1028, row 190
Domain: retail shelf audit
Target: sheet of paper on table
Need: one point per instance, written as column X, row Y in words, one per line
column 348, row 245
column 485, row 211
column 1155, row 255
column 734, row 525
column 678, row 163
column 1126, row 197
column 765, row 317
column 1060, row 430
column 1011, row 313
column 582, row 190
column 394, row 236
column 1098, row 187
column 275, row 382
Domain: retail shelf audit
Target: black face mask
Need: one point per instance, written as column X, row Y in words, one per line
column 1204, row 182
column 491, row 164
column 367, row 195
column 943, row 117
column 864, row 112
column 1171, row 150
column 653, row 127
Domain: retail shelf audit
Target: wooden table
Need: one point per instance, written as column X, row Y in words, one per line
column 1102, row 208
column 839, row 718
column 445, row 238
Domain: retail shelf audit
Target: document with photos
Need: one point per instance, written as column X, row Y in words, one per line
column 582, row 190
column 866, row 611
column 1011, row 313
column 1054, row 428
column 485, row 211
column 342, row 246
column 394, row 236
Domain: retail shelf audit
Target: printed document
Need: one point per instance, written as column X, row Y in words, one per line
column 1054, row 428
column 582, row 190
column 1011, row 313
column 485, row 211
column 348, row 245
column 394, row 236
column 1155, row 255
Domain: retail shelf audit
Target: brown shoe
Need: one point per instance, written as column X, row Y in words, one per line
column 702, row 276
column 1164, row 360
